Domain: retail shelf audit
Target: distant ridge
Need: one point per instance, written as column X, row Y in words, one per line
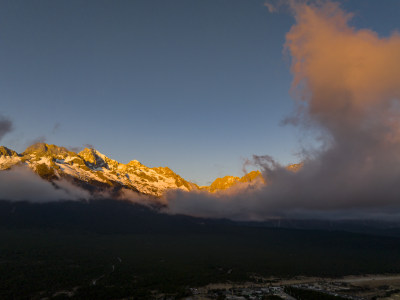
column 94, row 171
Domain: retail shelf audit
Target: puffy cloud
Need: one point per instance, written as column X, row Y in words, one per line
column 346, row 86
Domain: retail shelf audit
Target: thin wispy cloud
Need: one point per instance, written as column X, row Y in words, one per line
column 6, row 126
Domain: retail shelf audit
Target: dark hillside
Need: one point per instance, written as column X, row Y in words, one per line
column 131, row 250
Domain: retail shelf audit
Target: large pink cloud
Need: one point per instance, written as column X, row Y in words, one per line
column 346, row 84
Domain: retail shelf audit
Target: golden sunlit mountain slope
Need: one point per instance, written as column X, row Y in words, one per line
column 95, row 171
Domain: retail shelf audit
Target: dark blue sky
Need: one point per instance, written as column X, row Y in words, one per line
column 198, row 86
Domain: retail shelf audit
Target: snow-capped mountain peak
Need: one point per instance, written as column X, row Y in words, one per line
column 97, row 172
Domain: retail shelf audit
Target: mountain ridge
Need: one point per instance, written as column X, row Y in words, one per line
column 95, row 171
